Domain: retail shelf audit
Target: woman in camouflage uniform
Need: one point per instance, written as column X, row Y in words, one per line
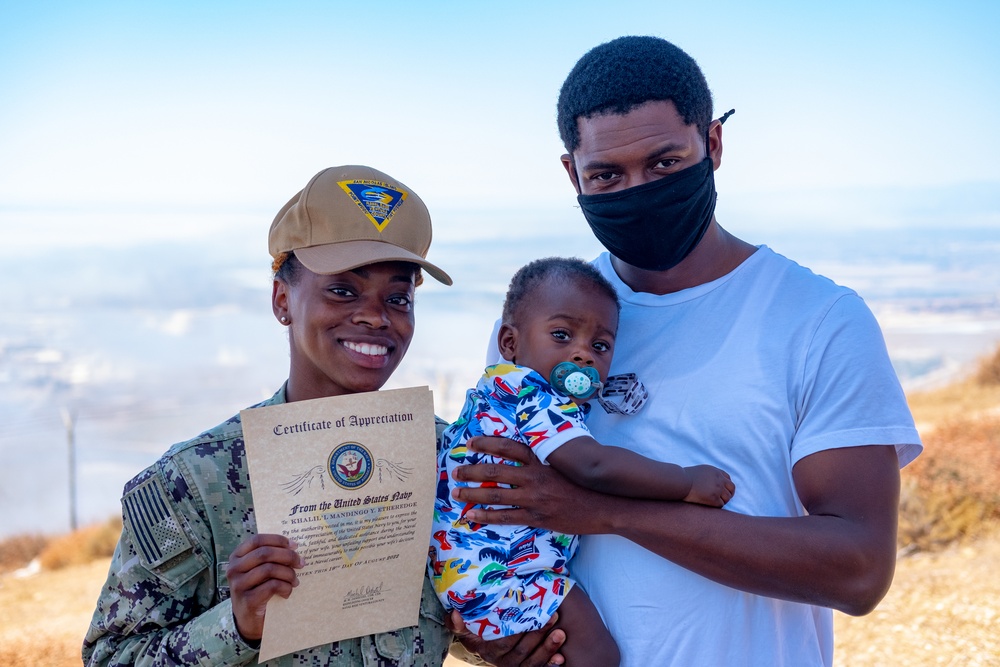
column 190, row 578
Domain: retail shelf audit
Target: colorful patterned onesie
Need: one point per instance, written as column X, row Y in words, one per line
column 504, row 580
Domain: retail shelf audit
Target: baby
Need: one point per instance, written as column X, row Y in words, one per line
column 558, row 330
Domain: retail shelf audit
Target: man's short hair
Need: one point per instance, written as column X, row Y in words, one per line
column 620, row 75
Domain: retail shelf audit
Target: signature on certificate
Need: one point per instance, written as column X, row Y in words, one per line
column 362, row 592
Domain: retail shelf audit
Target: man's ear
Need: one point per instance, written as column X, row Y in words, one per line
column 715, row 144
column 567, row 161
column 279, row 301
column 507, row 342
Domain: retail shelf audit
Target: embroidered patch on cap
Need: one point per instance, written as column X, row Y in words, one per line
column 378, row 200
column 149, row 518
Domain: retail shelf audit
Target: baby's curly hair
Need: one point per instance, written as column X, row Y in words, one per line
column 620, row 75
column 533, row 274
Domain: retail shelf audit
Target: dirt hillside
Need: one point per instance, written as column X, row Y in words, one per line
column 43, row 617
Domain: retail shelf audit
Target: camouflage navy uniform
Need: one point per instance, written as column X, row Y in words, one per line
column 166, row 600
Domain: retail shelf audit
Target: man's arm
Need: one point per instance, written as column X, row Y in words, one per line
column 621, row 471
column 841, row 555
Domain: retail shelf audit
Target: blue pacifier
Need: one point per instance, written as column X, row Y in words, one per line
column 575, row 381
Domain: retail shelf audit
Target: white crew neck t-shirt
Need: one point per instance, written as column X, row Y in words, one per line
column 750, row 373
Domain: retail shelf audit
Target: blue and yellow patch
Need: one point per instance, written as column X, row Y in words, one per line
column 378, row 200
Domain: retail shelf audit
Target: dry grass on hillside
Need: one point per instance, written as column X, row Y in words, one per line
column 18, row 551
column 53, row 553
column 952, row 491
column 977, row 394
column 943, row 609
column 43, row 618
column 988, row 372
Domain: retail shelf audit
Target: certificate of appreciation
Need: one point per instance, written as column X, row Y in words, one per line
column 351, row 479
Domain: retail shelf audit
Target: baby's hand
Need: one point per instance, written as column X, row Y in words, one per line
column 709, row 486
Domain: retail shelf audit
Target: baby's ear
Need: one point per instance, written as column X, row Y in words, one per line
column 507, row 341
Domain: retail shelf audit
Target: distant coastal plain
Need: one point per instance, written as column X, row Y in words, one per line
column 126, row 351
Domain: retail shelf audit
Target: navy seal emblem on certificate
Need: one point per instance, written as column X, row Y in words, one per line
column 350, row 465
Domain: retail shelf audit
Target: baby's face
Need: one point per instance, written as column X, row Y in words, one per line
column 566, row 321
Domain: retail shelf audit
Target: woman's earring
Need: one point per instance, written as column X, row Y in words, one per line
column 284, row 320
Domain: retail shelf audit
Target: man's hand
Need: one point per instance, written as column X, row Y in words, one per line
column 539, row 496
column 531, row 649
column 709, row 486
column 260, row 567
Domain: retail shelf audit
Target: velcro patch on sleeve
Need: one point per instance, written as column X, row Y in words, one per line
column 150, row 520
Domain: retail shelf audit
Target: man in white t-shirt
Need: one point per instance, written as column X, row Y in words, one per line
column 752, row 363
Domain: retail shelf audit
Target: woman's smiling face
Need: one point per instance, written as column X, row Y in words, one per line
column 347, row 331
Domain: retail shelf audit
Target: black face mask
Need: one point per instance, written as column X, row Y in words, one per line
column 654, row 226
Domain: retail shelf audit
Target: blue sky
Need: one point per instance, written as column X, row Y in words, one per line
column 125, row 121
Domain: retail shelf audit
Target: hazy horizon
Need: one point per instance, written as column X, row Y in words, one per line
column 149, row 345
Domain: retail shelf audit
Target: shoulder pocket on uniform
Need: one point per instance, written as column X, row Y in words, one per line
column 159, row 540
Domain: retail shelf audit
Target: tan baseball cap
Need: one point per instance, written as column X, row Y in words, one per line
column 351, row 216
